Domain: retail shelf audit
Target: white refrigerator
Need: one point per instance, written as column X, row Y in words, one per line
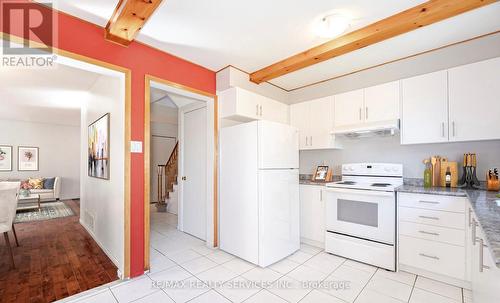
column 259, row 191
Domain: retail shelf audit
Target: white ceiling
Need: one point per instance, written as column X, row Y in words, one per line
column 44, row 95
column 253, row 34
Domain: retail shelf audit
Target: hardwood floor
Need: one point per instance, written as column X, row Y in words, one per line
column 56, row 259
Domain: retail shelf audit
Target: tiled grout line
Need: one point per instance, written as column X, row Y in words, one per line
column 413, row 287
column 283, row 275
column 371, row 277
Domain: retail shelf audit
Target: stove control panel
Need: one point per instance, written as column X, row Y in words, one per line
column 373, row 169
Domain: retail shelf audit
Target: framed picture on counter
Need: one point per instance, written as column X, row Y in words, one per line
column 321, row 173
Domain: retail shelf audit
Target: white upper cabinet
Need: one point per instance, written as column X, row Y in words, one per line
column 314, row 119
column 349, row 108
column 378, row 103
column 474, row 96
column 382, row 102
column 299, row 118
column 425, row 109
column 273, row 110
column 242, row 105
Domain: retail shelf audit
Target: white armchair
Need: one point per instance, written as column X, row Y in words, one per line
column 8, row 205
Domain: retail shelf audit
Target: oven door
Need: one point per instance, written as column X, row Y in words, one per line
column 364, row 214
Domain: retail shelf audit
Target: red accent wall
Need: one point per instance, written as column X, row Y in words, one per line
column 83, row 38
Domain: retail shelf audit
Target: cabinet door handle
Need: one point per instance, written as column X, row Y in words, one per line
column 428, row 202
column 428, row 233
column 311, row 141
column 473, row 231
column 442, row 129
column 427, row 217
column 470, row 217
column 360, row 114
column 453, row 128
column 257, row 110
column 321, row 195
column 307, row 138
column 428, row 256
column 481, row 256
column 366, row 113
column 261, row 110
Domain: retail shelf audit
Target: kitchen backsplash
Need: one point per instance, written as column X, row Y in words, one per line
column 389, row 150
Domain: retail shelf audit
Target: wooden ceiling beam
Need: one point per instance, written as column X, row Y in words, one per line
column 416, row 17
column 128, row 19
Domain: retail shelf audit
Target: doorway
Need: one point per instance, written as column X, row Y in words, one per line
column 181, row 174
column 50, row 112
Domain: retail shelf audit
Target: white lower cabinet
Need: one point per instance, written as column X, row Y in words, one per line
column 432, row 236
column 440, row 238
column 484, row 272
column 312, row 215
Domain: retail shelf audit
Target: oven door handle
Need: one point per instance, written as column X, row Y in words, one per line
column 374, row 193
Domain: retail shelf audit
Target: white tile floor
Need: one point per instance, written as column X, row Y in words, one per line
column 209, row 275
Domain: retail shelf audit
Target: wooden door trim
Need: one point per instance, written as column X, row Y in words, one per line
column 147, row 158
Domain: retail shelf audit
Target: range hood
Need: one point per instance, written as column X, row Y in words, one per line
column 369, row 129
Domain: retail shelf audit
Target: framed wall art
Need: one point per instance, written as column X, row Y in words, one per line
column 5, row 158
column 27, row 158
column 98, row 148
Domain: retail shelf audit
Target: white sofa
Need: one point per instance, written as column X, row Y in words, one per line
column 49, row 194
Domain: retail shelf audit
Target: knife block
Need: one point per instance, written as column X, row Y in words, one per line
column 492, row 184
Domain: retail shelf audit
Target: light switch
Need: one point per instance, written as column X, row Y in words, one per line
column 136, row 147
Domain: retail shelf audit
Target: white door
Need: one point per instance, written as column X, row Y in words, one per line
column 425, row 109
column 474, row 101
column 194, row 192
column 278, row 145
column 382, row 102
column 321, row 123
column 279, row 231
column 299, row 118
column 349, row 108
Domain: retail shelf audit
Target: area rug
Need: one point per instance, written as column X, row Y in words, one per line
column 49, row 210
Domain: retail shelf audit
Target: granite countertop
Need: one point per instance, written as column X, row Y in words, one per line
column 307, row 180
column 484, row 205
column 311, row 182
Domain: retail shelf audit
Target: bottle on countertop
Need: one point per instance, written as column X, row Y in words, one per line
column 427, row 173
column 448, row 177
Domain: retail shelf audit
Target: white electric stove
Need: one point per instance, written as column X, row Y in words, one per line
column 361, row 213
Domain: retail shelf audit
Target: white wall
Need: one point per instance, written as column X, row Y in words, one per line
column 59, row 152
column 104, row 200
column 389, row 150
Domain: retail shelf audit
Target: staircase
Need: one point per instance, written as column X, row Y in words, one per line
column 167, row 180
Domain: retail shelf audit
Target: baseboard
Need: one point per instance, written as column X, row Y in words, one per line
column 435, row 276
column 101, row 246
column 312, row 243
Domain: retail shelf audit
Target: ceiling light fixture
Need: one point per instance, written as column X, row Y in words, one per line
column 333, row 25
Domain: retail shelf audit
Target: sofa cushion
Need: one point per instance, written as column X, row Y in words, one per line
column 36, row 183
column 48, row 183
